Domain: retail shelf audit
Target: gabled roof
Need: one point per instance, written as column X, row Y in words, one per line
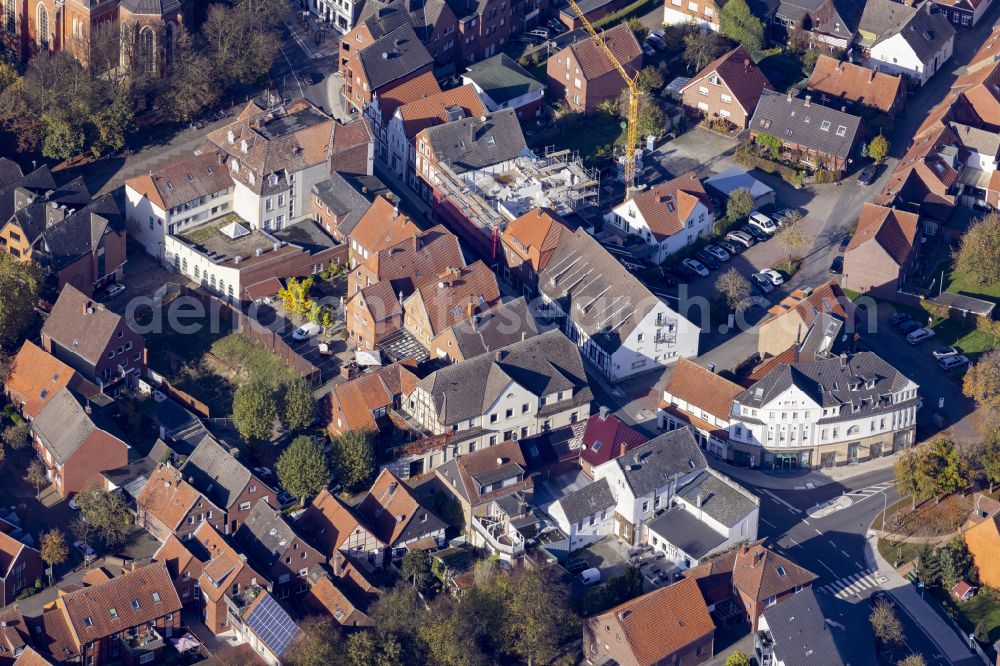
column 800, row 632
column 594, row 62
column 80, row 233
column 393, row 56
column 660, row 623
column 534, row 236
column 592, row 498
column 10, row 548
column 215, row 472
column 605, row 436
column 502, row 78
column 894, row 230
column 81, row 325
column 761, row 573
column 168, row 497
column 382, row 226
column 417, row 260
column 265, row 535
column 464, row 292
column 440, row 108
column 657, row 462
column 393, row 512
column 14, row 636
column 720, row 498
column 416, row 88
column 184, row 180
column 328, row 522
column 179, row 557
column 324, row 595
column 845, row 80
column 498, row 327
column 475, row 143
column 667, row 207
column 38, row 376
column 29, row 657
column 349, row 196
column 983, row 540
column 740, row 74
column 469, row 473
column 65, row 426
column 808, row 305
column 542, row 365
column 359, row 398
column 926, row 33
column 272, row 624
column 56, row 637
column 223, row 564
column 132, row 599
column 702, row 388
column 805, row 123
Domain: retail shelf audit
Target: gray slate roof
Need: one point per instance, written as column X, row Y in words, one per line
column 652, row 465
column 391, row 57
column 863, row 380
column 36, row 183
column 719, row 500
column 586, row 501
column 151, row 7
column 350, row 196
column 845, row 12
column 214, row 471
column 686, row 532
column 502, row 78
column 63, row 424
column 469, row 144
column 792, row 121
column 800, row 632
column 264, row 536
column 543, row 365
column 925, row 32
column 579, row 272
column 496, row 328
column 81, row 233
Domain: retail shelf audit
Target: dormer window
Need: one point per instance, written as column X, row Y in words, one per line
column 243, row 146
column 230, row 137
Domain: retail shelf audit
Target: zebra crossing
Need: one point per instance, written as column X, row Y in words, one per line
column 865, row 493
column 848, row 586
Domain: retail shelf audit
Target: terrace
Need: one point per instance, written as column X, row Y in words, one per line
column 229, row 239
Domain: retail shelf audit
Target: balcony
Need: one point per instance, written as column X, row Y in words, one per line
column 500, row 536
column 237, row 603
column 142, row 643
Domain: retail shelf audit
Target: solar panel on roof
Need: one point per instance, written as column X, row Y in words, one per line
column 272, row 625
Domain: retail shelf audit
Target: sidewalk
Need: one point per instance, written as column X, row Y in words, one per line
column 803, row 479
column 907, row 598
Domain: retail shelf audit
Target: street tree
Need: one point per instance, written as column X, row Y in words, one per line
column 733, row 287
column 36, row 475
column 106, row 511
column 737, row 22
column 297, row 405
column 944, row 466
column 910, row 479
column 982, row 384
column 737, row 659
column 303, row 469
column 354, row 458
column 978, row 258
column 878, row 148
column 739, row 204
column 254, row 410
column 53, row 549
column 915, row 659
column 19, row 285
column 793, row 238
column 886, row 625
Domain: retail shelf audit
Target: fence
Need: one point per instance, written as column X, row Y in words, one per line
column 271, row 340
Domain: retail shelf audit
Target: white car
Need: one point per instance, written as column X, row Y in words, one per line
column 695, row 266
column 944, row 352
column 306, row 331
column 763, row 222
column 717, row 252
column 773, row 275
column 88, row 552
column 919, row 335
column 952, row 362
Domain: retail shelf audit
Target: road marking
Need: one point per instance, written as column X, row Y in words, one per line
column 829, row 541
column 294, row 75
column 845, row 554
column 827, row 568
column 848, row 586
column 818, row 532
column 795, row 542
column 781, row 501
column 768, row 522
column 806, row 521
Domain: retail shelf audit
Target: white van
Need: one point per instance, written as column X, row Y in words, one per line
column 763, row 222
column 590, row 577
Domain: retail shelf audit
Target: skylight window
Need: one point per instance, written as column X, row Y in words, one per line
column 781, row 572
column 825, row 125
column 89, row 621
column 841, row 130
column 113, row 612
column 156, row 597
column 135, row 604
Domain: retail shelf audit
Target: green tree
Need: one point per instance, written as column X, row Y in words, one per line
column 955, row 562
column 981, row 383
column 738, row 23
column 640, row 31
column 942, row 464
column 538, row 616
column 794, row 239
column 64, row 138
column 17, row 436
column 317, row 645
column 772, row 143
column 303, row 469
column 19, row 285
column 298, row 407
column 911, row 478
column 450, row 633
column 650, row 80
column 416, row 568
column 53, row 549
column 928, row 565
column 915, row 659
column 733, row 287
column 106, row 512
column 978, row 258
column 254, row 410
column 650, row 121
column 374, row 648
column 737, row 659
column 982, row 633
column 399, row 613
column 886, row 625
column 990, row 459
column 189, row 85
column 878, row 148
column 295, row 296
column 739, row 204
column 354, row 458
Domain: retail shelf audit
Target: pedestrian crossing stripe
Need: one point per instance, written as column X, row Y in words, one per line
column 848, row 586
column 871, row 490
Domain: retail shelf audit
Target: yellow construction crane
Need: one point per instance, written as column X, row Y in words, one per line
column 633, row 101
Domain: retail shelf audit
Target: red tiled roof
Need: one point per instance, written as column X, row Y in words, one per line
column 432, row 110
column 667, row 207
column 852, row 82
column 328, row 522
column 389, row 507
column 604, row 437
column 168, row 497
column 36, row 376
column 894, row 230
column 359, row 398
column 536, row 233
column 702, row 388
column 29, row 657
column 416, row 88
column 595, row 63
column 465, row 292
column 760, row 573
column 382, row 226
column 324, row 596
column 740, row 74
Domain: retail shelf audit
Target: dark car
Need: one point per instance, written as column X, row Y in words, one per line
column 897, row 318
column 908, row 327
column 731, row 247
column 576, row 565
column 869, row 174
column 756, row 233
column 844, row 242
column 710, row 262
column 668, row 278
column 838, row 265
column 762, row 284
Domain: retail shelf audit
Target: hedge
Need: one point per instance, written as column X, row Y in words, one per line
column 638, row 8
column 747, row 158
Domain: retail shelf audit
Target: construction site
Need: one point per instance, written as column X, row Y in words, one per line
column 480, row 203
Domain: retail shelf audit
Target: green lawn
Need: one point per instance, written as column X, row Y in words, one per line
column 957, row 285
column 898, row 553
column 584, row 133
column 984, row 607
column 971, row 341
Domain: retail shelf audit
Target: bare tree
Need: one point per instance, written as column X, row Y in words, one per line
column 734, row 287
column 793, row 238
column 886, row 625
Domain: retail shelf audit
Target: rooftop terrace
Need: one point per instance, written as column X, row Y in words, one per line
column 228, row 237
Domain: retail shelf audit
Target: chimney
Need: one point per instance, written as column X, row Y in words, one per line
column 395, row 211
column 698, row 501
column 498, row 356
column 747, row 64
column 88, row 308
column 871, row 75
column 843, row 360
column 806, row 103
column 604, row 413
column 622, row 448
column 470, row 308
column 744, row 549
column 789, row 95
column 524, row 336
column 758, row 556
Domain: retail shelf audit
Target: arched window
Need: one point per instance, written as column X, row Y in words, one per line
column 168, row 46
column 43, row 25
column 147, row 49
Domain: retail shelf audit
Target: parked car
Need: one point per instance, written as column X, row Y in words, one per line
column 306, row 331
column 707, row 259
column 732, row 247
column 114, row 290
column 285, row 500
column 869, row 174
column 763, row 222
column 590, row 577
column 556, row 26
column 656, row 42
column 944, row 352
column 648, row 50
column 763, row 285
column 717, row 252
column 837, row 265
column 576, row 565
column 908, row 327
column 759, row 235
column 540, row 33
column 953, row 362
column 774, row 276
column 783, row 215
column 844, row 242
column 263, row 472
column 741, row 237
column 85, row 550
column 897, row 318
column 695, row 266
column 73, row 505
column 919, row 335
